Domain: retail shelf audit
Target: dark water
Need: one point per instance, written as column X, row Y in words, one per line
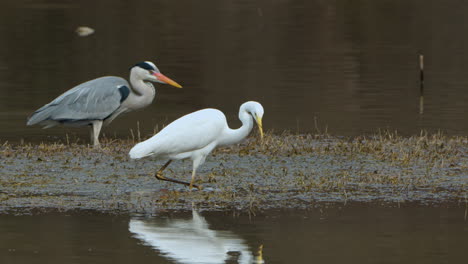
column 350, row 65
column 357, row 235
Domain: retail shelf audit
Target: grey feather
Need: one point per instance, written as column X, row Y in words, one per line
column 97, row 99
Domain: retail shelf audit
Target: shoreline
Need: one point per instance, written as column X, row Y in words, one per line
column 285, row 171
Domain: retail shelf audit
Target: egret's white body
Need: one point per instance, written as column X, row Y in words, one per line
column 195, row 135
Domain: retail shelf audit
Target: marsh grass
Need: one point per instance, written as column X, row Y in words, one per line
column 282, row 169
column 431, row 150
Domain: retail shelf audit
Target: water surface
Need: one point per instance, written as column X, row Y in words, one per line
column 334, row 235
column 348, row 67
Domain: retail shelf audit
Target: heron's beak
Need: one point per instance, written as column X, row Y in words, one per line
column 165, row 79
column 260, row 126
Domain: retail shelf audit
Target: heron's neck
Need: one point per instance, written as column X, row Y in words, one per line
column 232, row 136
column 144, row 92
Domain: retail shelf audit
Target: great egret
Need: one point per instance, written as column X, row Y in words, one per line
column 195, row 135
column 101, row 100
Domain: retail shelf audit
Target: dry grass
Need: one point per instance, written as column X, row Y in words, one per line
column 282, row 169
column 435, row 150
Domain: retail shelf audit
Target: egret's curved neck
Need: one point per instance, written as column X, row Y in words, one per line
column 232, row 136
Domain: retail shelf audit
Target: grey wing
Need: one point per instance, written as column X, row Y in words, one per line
column 93, row 100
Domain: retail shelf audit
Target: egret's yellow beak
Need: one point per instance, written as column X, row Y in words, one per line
column 167, row 80
column 260, row 126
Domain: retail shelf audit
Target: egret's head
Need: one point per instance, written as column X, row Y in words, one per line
column 255, row 109
column 149, row 72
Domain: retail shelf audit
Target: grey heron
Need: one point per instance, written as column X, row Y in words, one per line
column 99, row 101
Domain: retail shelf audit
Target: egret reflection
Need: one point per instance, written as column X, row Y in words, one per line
column 191, row 241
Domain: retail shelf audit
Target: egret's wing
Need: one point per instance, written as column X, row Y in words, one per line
column 190, row 132
column 93, row 100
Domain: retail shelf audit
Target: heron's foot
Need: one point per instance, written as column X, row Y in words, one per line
column 101, row 149
column 95, row 147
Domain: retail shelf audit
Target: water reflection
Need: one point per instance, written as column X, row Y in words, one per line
column 351, row 234
column 191, row 241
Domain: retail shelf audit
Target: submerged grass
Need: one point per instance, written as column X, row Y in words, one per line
column 283, row 170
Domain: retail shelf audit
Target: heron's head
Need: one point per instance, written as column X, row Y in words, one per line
column 149, row 72
column 255, row 109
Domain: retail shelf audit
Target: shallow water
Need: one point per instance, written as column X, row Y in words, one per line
column 326, row 235
column 349, row 67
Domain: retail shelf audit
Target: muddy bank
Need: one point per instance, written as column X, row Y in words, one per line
column 285, row 171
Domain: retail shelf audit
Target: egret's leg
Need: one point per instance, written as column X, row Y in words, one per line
column 159, row 176
column 159, row 172
column 193, row 178
column 196, row 162
column 97, row 125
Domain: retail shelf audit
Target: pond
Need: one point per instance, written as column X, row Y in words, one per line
column 342, row 67
column 349, row 234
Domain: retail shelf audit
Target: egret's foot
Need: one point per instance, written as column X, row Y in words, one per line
column 199, row 187
column 159, row 176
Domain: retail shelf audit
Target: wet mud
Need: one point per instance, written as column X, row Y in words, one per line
column 284, row 171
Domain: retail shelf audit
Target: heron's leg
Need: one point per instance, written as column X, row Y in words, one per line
column 97, row 125
column 159, row 176
column 91, row 134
